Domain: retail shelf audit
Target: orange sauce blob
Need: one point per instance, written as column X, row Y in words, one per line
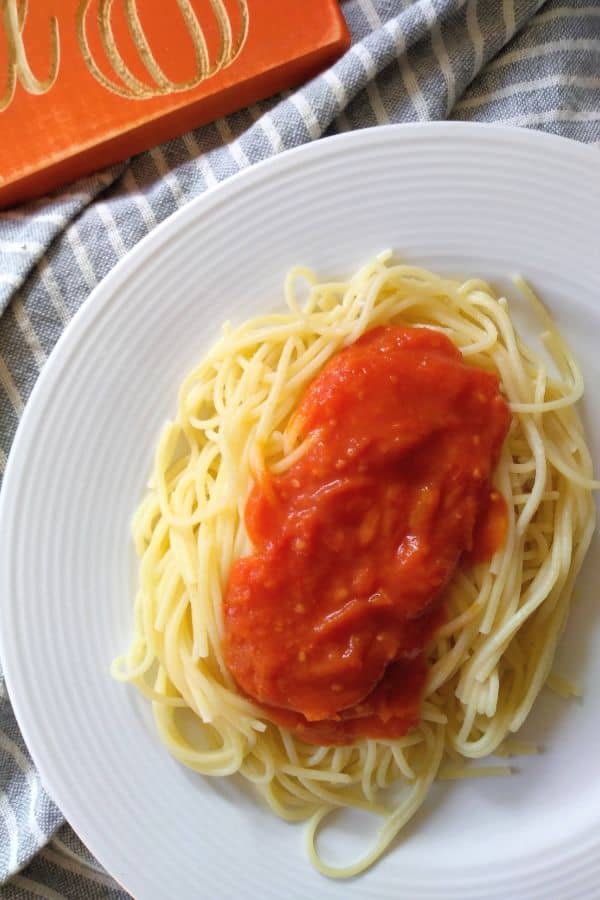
column 328, row 621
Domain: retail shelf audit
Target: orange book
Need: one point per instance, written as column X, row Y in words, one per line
column 85, row 83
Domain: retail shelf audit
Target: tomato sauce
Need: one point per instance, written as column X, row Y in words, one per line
column 328, row 621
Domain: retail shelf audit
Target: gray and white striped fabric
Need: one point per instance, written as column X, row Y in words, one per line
column 522, row 62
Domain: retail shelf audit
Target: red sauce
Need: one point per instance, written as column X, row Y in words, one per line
column 328, row 621
column 490, row 529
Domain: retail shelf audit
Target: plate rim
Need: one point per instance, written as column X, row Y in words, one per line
column 106, row 291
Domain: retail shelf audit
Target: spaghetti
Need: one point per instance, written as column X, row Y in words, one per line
column 494, row 652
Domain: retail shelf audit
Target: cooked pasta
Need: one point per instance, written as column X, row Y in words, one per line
column 494, row 652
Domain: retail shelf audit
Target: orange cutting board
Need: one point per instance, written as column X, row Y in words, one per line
column 85, row 83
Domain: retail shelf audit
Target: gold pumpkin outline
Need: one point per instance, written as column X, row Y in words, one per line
column 130, row 86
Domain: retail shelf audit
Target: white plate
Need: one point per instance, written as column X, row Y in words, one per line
column 462, row 198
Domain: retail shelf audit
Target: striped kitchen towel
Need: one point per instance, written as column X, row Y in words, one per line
column 522, row 62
